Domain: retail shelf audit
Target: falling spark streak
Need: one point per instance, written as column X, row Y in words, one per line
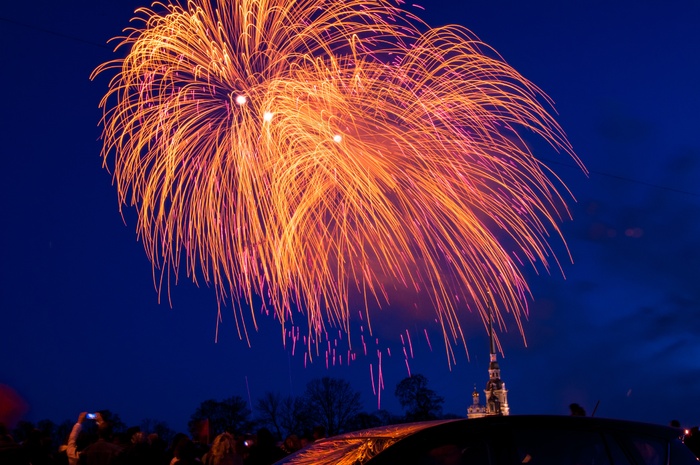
column 302, row 151
column 380, row 380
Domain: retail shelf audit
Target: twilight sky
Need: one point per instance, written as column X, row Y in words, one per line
column 80, row 323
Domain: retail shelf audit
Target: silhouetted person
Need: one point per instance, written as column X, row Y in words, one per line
column 185, row 453
column 157, row 448
column 103, row 451
column 169, row 454
column 136, row 450
column 291, row 444
column 577, row 410
column 37, row 448
column 319, row 432
column 78, row 439
column 224, row 451
column 264, row 451
column 10, row 452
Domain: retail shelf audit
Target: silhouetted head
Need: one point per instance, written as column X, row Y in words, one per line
column 577, row 410
column 319, row 432
column 264, row 438
column 104, row 430
column 185, row 450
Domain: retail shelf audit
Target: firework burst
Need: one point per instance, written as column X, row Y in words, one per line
column 311, row 151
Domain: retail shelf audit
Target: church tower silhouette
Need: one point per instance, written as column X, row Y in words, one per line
column 496, row 394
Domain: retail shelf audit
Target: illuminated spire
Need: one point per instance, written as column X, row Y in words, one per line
column 476, row 409
column 492, row 353
column 496, row 393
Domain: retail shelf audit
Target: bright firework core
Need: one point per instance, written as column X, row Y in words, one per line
column 433, row 201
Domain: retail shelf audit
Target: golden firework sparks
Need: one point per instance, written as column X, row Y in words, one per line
column 309, row 151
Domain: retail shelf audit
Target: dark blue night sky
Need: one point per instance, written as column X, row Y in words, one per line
column 81, row 327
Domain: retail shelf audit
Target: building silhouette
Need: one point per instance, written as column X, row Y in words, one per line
column 496, row 394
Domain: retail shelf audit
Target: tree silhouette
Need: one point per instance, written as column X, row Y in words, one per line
column 387, row 418
column 332, row 403
column 364, row 420
column 295, row 416
column 269, row 410
column 419, row 402
column 50, row 430
column 161, row 428
column 230, row 414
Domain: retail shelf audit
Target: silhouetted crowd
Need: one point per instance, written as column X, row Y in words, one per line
column 90, row 445
column 92, row 442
